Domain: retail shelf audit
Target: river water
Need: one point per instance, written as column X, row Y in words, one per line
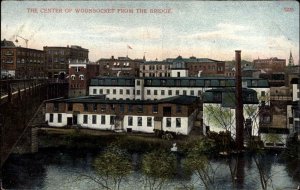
column 56, row 168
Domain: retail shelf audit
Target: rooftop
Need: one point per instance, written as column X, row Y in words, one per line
column 181, row 100
column 5, row 43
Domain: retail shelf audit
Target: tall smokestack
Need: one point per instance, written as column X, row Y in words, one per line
column 239, row 117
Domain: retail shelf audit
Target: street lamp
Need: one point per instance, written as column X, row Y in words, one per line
column 26, row 40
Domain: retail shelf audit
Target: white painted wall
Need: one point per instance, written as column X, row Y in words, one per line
column 144, row 128
column 117, row 96
column 295, row 92
column 232, row 127
column 55, row 119
column 183, row 72
column 186, row 123
column 282, row 138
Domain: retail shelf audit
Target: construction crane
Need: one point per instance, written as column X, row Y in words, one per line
column 26, row 40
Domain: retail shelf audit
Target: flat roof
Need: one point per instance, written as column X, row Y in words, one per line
column 181, row 100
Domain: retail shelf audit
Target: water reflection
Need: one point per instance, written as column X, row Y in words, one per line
column 65, row 169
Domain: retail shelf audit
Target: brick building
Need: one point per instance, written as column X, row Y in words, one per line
column 58, row 58
column 198, row 66
column 270, row 65
column 20, row 62
column 80, row 73
column 122, row 66
column 176, row 114
column 155, row 69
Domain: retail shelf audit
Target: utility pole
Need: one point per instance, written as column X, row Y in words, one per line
column 239, row 116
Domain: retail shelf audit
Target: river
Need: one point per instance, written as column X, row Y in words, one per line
column 57, row 168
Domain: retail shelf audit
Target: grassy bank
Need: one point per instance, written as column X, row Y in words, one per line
column 133, row 142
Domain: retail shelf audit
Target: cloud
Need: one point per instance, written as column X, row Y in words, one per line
column 118, row 32
column 223, row 31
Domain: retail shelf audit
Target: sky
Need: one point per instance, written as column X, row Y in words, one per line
column 204, row 29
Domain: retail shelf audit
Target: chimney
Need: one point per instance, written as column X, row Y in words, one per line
column 239, row 116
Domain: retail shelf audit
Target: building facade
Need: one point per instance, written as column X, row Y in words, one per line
column 57, row 58
column 121, row 66
column 293, row 110
column 176, row 114
column 80, row 74
column 155, row 88
column 198, row 66
column 155, row 69
column 219, row 110
column 270, row 65
column 20, row 62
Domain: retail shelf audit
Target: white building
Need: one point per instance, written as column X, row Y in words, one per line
column 219, row 110
column 175, row 114
column 155, row 88
column 293, row 110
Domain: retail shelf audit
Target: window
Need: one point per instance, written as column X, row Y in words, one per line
column 149, row 121
column 184, row 92
column 178, row 122
column 112, row 120
column 140, row 109
column 154, row 108
column 95, row 107
column 81, row 77
column 112, row 107
column 178, row 74
column 107, row 91
column 94, row 119
column 103, row 107
column 85, row 107
column 155, row 92
column 70, row 107
column 138, row 82
column 168, row 124
column 122, row 108
column 130, row 108
column 170, row 92
column 138, row 92
column 178, row 108
column 199, row 93
column 130, row 121
column 127, row 92
column 55, row 106
column 263, row 93
column 177, row 92
column 114, row 91
column 102, row 119
column 51, row 117
column 192, row 92
column 121, row 91
column 59, row 118
column 101, row 91
column 148, row 92
column 85, row 119
column 162, row 92
column 140, row 121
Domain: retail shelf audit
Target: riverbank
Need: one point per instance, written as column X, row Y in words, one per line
column 95, row 139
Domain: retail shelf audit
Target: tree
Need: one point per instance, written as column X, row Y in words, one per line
column 198, row 162
column 112, row 167
column 158, row 167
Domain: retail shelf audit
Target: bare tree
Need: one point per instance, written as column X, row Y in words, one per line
column 157, row 168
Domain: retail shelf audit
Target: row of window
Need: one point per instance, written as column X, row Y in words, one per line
column 112, row 107
column 155, row 92
column 112, row 120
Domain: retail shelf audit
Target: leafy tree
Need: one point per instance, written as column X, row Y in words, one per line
column 158, row 167
column 112, row 167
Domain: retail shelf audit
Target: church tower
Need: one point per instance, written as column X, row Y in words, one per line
column 291, row 60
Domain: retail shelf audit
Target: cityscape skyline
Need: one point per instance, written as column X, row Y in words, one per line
column 201, row 29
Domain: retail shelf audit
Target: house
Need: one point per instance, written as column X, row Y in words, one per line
column 175, row 114
column 293, row 109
